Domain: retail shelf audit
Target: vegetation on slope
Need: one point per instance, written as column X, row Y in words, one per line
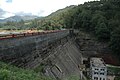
column 114, row 70
column 100, row 18
column 73, row 77
column 8, row 72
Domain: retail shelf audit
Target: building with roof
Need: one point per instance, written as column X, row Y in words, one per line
column 98, row 69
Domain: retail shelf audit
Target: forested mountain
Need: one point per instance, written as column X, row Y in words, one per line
column 100, row 18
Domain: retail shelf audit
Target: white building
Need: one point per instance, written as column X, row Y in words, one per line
column 98, row 69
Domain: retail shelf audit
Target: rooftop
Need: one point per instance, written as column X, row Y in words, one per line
column 97, row 62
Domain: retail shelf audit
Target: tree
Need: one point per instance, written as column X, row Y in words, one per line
column 102, row 32
column 1, row 25
column 69, row 19
column 94, row 21
column 34, row 24
column 112, row 24
column 20, row 25
column 115, row 41
column 86, row 16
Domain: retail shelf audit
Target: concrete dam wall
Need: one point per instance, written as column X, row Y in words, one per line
column 64, row 61
column 58, row 50
column 27, row 52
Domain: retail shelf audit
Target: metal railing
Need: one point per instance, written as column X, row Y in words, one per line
column 9, row 36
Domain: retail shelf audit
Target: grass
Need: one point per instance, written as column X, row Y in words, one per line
column 114, row 70
column 72, row 77
column 9, row 72
column 117, row 78
column 40, row 68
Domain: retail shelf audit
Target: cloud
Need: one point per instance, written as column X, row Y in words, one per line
column 37, row 7
column 9, row 1
column 5, row 14
column 2, row 12
column 40, row 12
column 23, row 14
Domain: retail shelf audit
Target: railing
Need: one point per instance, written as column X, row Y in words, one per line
column 9, row 36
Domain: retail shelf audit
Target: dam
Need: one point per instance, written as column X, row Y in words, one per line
column 57, row 49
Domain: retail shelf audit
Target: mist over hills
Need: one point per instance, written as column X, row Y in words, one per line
column 18, row 18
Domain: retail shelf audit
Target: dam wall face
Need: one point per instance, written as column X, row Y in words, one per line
column 64, row 61
column 58, row 51
column 28, row 52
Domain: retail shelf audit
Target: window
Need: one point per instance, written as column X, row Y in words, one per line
column 95, row 78
column 102, row 69
column 95, row 72
column 101, row 73
column 97, row 69
column 103, row 78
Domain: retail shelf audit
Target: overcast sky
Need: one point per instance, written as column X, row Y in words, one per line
column 34, row 7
